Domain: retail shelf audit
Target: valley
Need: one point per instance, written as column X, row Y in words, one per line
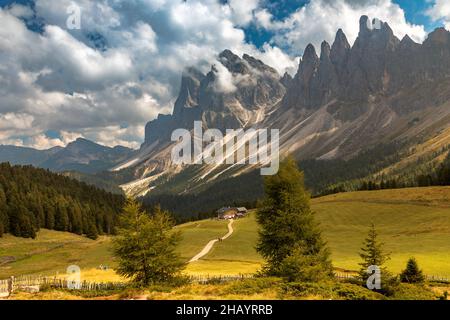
column 411, row 222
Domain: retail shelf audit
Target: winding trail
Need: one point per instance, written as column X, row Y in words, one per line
column 210, row 244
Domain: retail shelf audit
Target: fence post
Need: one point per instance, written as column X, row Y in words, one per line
column 10, row 285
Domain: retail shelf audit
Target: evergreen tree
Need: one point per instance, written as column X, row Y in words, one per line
column 145, row 246
column 33, row 198
column 372, row 255
column 3, row 213
column 91, row 230
column 289, row 238
column 412, row 273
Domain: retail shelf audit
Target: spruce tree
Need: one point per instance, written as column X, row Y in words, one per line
column 372, row 254
column 145, row 246
column 412, row 273
column 289, row 238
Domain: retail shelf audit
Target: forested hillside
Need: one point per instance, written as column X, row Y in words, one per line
column 32, row 198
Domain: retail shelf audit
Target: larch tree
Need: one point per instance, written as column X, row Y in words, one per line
column 145, row 245
column 289, row 237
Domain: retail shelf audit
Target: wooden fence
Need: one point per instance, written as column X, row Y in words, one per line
column 218, row 279
column 345, row 276
column 35, row 283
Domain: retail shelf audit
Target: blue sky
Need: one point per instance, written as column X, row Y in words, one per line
column 415, row 12
column 106, row 80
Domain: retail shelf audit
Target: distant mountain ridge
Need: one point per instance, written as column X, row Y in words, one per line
column 81, row 155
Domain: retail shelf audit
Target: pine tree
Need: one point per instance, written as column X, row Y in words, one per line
column 289, row 238
column 3, row 214
column 145, row 246
column 91, row 230
column 412, row 273
column 372, row 254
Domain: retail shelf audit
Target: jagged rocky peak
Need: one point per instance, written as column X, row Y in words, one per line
column 222, row 103
column 310, row 54
column 325, row 51
column 286, row 80
column 189, row 90
column 259, row 65
column 440, row 36
column 375, row 34
column 408, row 43
column 308, row 64
column 340, row 48
column 245, row 65
column 368, row 27
column 233, row 62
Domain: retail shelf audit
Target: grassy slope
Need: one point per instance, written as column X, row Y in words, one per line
column 235, row 255
column 195, row 235
column 54, row 251
column 410, row 222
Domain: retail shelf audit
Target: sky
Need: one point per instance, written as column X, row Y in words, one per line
column 122, row 67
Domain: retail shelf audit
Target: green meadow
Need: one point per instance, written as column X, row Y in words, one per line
column 411, row 222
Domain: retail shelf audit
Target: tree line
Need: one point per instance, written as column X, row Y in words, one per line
column 32, row 198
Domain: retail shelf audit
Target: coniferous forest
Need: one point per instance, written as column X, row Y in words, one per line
column 32, row 198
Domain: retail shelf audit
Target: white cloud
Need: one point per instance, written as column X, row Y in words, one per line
column 224, row 81
column 320, row 19
column 105, row 81
column 440, row 10
column 264, row 18
column 276, row 58
column 20, row 11
column 243, row 10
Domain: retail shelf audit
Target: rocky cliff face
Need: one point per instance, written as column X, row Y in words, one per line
column 377, row 64
column 233, row 95
column 340, row 102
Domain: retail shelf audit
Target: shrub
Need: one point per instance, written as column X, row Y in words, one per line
column 412, row 273
column 331, row 290
column 406, row 291
column 252, row 286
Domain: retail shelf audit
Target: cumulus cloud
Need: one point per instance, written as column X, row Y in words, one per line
column 440, row 11
column 123, row 67
column 224, row 81
column 320, row 19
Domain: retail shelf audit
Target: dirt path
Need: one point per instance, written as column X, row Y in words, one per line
column 210, row 244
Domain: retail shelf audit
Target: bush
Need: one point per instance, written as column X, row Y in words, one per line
column 412, row 273
column 252, row 286
column 302, row 267
column 412, row 292
column 331, row 290
column 350, row 291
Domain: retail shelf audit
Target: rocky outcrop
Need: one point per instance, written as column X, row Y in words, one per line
column 251, row 88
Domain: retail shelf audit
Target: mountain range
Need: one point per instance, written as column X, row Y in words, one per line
column 81, row 155
column 378, row 107
column 382, row 93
